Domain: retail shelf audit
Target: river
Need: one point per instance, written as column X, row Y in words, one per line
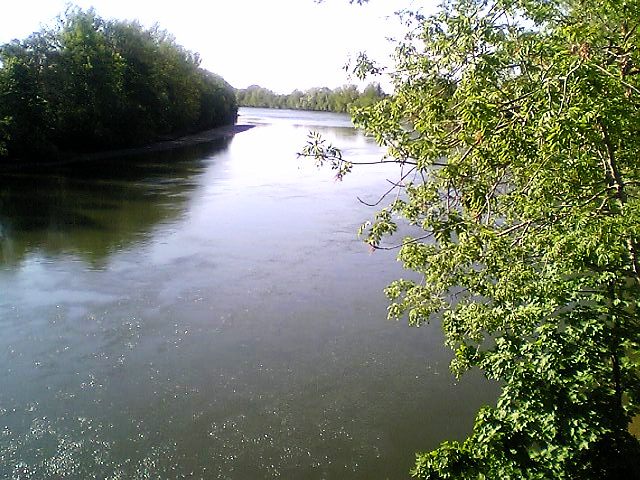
column 211, row 313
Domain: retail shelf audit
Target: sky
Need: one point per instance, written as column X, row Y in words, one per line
column 277, row 44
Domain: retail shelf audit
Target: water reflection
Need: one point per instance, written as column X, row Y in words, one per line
column 94, row 209
column 235, row 328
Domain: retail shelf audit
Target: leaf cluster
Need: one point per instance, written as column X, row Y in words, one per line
column 515, row 124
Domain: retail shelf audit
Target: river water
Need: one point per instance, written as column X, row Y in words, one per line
column 211, row 313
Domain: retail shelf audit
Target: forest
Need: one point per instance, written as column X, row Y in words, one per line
column 89, row 84
column 322, row 99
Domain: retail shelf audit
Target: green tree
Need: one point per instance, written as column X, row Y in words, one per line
column 24, row 110
column 515, row 124
column 91, row 84
column 318, row 99
column 88, row 84
column 370, row 95
column 143, row 105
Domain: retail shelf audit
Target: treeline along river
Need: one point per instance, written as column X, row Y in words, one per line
column 88, row 84
column 210, row 313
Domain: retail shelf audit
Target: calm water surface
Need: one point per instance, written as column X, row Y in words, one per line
column 210, row 313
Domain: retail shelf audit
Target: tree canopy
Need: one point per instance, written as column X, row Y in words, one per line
column 515, row 127
column 89, row 84
column 318, row 99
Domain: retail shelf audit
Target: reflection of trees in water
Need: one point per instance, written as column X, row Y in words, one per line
column 334, row 132
column 345, row 132
column 95, row 208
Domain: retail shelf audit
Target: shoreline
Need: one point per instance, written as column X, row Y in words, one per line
column 206, row 136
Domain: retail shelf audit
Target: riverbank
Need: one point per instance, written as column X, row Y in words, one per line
column 206, row 136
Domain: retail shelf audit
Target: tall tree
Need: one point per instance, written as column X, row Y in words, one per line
column 91, row 84
column 88, row 82
column 318, row 99
column 515, row 124
column 24, row 110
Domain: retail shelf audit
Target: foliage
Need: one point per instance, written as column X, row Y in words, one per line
column 320, row 99
column 515, row 123
column 89, row 84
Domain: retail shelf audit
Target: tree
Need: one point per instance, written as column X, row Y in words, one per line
column 515, row 126
column 320, row 99
column 91, row 84
column 88, row 82
column 24, row 112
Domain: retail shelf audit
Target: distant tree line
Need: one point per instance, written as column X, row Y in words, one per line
column 90, row 84
column 320, row 99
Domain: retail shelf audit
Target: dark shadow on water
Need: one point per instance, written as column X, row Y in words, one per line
column 91, row 209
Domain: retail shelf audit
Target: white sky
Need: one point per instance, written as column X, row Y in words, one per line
column 278, row 44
